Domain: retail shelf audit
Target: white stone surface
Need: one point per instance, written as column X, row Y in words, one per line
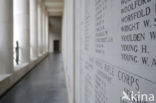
column 44, row 30
column 33, row 29
column 39, row 30
column 6, row 36
column 47, row 31
column 112, row 54
column 68, row 47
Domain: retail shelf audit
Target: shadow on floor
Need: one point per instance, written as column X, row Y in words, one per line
column 44, row 84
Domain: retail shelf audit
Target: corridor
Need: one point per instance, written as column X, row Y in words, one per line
column 77, row 51
column 44, row 84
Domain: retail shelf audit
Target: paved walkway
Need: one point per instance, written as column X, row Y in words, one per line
column 44, row 84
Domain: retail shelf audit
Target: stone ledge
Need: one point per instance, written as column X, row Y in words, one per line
column 4, row 76
column 8, row 80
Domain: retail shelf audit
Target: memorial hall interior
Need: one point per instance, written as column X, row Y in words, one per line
column 77, row 51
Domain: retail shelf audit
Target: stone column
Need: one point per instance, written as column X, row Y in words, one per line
column 33, row 29
column 47, row 31
column 41, row 49
column 6, row 36
column 39, row 28
column 21, row 28
column 43, row 29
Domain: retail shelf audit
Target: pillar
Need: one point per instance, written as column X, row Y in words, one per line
column 47, row 32
column 21, row 28
column 33, row 29
column 39, row 28
column 43, row 29
column 41, row 24
column 6, row 36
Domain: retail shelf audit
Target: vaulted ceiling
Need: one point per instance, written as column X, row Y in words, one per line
column 54, row 7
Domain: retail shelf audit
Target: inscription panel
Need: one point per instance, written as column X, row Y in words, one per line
column 117, row 50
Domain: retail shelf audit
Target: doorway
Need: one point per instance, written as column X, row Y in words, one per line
column 56, row 46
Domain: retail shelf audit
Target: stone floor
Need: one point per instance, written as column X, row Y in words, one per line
column 44, row 84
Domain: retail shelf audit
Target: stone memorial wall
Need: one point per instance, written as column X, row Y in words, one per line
column 116, row 51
